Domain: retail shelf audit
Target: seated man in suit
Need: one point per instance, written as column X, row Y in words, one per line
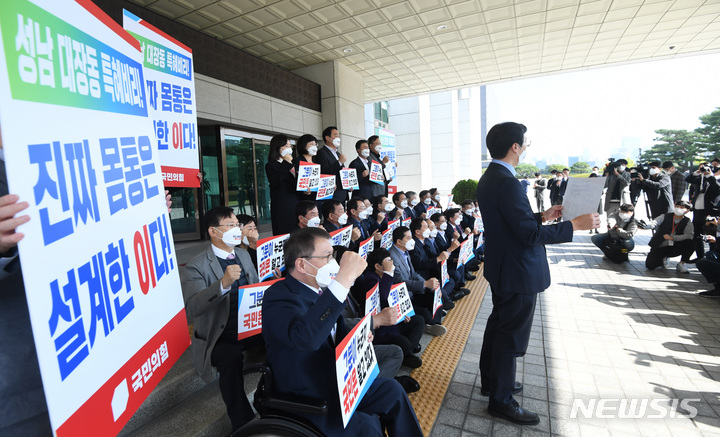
column 358, row 213
column 307, row 214
column 380, row 217
column 302, row 324
column 210, row 284
column 400, row 201
column 420, row 288
column 424, row 204
column 412, row 200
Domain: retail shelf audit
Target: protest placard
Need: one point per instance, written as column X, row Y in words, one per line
column 349, row 179
column 450, row 203
column 170, row 87
column 250, row 299
column 270, row 255
column 355, row 367
column 437, row 300
column 372, row 300
column 342, row 236
column 432, row 211
column 105, row 305
column 445, row 277
column 326, row 187
column 376, row 173
column 366, row 247
column 407, row 222
column 308, row 176
column 393, row 224
column 466, row 251
column 399, row 298
column 386, row 239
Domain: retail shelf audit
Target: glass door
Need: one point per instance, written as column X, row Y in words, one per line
column 262, row 148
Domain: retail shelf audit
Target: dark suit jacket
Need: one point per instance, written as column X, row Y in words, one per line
column 21, row 388
column 363, row 226
column 300, row 351
column 364, row 182
column 377, row 189
column 515, row 260
column 410, row 212
column 331, row 166
column 422, row 259
column 283, row 196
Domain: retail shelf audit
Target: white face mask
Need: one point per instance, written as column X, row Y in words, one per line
column 285, row 152
column 426, row 233
column 365, row 153
column 389, row 207
column 364, row 214
column 410, row 245
column 246, row 241
column 653, row 171
column 625, row 215
column 458, row 221
column 403, row 204
column 313, row 222
column 312, row 150
column 680, row 211
column 621, row 169
column 433, row 233
column 522, row 155
column 437, row 197
column 232, row 237
column 342, row 219
column 369, row 210
column 443, row 226
column 336, row 142
column 427, row 201
column 414, row 202
column 326, row 273
column 469, row 211
column 378, row 150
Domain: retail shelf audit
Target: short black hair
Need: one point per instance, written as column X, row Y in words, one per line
column 423, row 193
column 359, row 144
column 627, row 207
column 654, row 163
column 553, row 171
column 372, row 139
column 667, row 164
column 301, row 244
column 302, row 143
column 502, row 136
column 399, row 233
column 397, row 195
column 621, row 161
column 303, row 207
column 415, row 224
column 684, row 203
column 328, row 131
column 537, row 174
column 449, row 213
column 376, row 203
column 353, row 203
column 276, row 143
column 467, row 202
column 376, row 257
column 213, row 217
column 566, row 169
column 410, row 193
column 432, row 191
column 436, row 217
column 328, row 207
column 245, row 219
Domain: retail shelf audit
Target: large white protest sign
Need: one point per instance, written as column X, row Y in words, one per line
column 271, row 255
column 170, row 88
column 349, row 179
column 366, row 247
column 372, row 300
column 342, row 236
column 98, row 257
column 250, row 298
column 399, row 298
column 356, row 367
column 308, row 177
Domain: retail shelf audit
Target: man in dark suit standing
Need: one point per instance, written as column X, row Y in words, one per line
column 303, row 323
column 331, row 160
column 516, row 266
column 362, row 167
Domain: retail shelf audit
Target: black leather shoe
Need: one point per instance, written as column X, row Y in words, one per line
column 474, row 268
column 408, row 383
column 448, row 305
column 517, row 389
column 412, row 361
column 469, row 276
column 417, row 348
column 464, row 291
column 515, row 414
column 457, row 295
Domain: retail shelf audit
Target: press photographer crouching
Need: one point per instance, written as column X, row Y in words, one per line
column 709, row 265
column 618, row 241
column 673, row 237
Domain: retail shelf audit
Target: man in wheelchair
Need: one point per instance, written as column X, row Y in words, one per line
column 302, row 323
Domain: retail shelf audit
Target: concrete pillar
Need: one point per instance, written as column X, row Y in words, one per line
column 341, row 94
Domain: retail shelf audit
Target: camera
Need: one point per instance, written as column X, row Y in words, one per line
column 711, row 219
column 706, row 238
column 643, row 169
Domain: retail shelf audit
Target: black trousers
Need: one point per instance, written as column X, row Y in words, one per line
column 698, row 221
column 410, row 334
column 506, row 338
column 683, row 248
column 227, row 358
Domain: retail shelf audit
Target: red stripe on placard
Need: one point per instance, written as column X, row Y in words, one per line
column 106, row 20
column 95, row 416
column 163, row 34
column 189, row 177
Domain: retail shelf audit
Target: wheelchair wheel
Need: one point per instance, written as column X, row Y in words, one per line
column 276, row 426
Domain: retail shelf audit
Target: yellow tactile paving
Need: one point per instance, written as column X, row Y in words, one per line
column 442, row 355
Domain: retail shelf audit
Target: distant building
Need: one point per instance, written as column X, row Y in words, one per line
column 573, row 159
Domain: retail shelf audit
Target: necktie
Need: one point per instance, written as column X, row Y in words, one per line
column 231, row 256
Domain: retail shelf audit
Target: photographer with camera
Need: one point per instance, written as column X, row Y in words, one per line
column 657, row 188
column 617, row 184
column 678, row 184
column 705, row 201
column 618, row 241
column 673, row 237
column 709, row 265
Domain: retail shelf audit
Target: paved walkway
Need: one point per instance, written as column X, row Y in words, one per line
column 604, row 331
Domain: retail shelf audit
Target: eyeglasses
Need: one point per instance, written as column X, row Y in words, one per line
column 326, row 257
column 233, row 225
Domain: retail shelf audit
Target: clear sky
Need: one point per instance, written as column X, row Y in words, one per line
column 600, row 108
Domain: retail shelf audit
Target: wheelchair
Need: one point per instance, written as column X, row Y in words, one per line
column 280, row 412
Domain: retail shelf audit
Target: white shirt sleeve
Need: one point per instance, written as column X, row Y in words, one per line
column 338, row 291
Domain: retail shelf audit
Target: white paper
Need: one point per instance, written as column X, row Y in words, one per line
column 582, row 196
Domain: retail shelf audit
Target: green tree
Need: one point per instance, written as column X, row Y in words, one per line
column 709, row 133
column 551, row 167
column 526, row 170
column 679, row 146
column 464, row 189
column 580, row 167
